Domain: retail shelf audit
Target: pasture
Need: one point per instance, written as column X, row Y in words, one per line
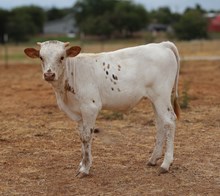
column 40, row 147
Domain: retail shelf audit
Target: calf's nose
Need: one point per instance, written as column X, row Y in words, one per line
column 49, row 76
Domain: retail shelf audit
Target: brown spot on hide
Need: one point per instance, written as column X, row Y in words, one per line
column 72, row 73
column 114, row 77
column 119, row 68
column 112, row 89
column 93, row 101
column 119, row 90
column 67, row 87
column 96, row 130
column 103, row 64
column 108, row 66
column 106, row 72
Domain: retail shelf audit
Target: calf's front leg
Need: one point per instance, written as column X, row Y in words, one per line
column 85, row 133
column 86, row 127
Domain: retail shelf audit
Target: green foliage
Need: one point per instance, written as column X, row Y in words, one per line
column 3, row 23
column 129, row 17
column 107, row 115
column 63, row 38
column 192, row 25
column 184, row 101
column 24, row 22
column 105, row 17
column 55, row 13
column 164, row 15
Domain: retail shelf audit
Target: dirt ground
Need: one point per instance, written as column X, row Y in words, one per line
column 40, row 147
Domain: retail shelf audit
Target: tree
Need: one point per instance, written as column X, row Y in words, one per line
column 129, row 17
column 3, row 23
column 24, row 22
column 55, row 13
column 93, row 16
column 20, row 27
column 105, row 17
column 162, row 15
column 192, row 25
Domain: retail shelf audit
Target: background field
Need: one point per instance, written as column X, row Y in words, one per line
column 40, row 146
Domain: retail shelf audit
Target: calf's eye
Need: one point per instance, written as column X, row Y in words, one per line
column 61, row 58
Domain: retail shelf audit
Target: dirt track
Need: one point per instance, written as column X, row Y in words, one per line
column 40, row 146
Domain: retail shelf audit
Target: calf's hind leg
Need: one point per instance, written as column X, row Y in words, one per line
column 160, row 137
column 165, row 118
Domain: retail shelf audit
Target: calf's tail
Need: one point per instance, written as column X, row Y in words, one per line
column 176, row 106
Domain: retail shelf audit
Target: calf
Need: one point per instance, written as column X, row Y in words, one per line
column 86, row 83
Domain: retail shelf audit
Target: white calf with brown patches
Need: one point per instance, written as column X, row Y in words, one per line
column 86, row 83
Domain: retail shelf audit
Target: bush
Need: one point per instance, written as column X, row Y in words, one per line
column 192, row 25
column 184, row 101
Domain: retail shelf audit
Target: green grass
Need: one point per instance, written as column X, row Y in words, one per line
column 107, row 115
column 18, row 57
column 185, row 98
column 34, row 40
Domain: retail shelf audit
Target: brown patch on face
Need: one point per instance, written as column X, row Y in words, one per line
column 67, row 87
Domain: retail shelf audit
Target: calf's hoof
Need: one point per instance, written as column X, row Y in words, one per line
column 82, row 171
column 162, row 171
column 151, row 164
column 81, row 174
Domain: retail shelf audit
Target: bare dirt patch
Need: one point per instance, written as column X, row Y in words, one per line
column 40, row 146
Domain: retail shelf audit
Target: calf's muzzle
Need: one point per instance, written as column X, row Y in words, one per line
column 49, row 76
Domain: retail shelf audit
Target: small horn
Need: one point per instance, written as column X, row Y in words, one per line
column 66, row 44
column 39, row 43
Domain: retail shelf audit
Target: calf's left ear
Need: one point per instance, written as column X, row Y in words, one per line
column 73, row 51
column 32, row 52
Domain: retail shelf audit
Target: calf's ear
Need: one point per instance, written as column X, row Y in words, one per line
column 73, row 51
column 32, row 52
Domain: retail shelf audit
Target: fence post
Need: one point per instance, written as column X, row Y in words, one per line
column 6, row 49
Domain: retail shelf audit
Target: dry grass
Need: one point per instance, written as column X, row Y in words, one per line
column 40, row 146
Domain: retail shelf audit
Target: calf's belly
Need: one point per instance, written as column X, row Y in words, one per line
column 121, row 103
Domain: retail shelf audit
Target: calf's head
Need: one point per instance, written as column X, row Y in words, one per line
column 53, row 55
